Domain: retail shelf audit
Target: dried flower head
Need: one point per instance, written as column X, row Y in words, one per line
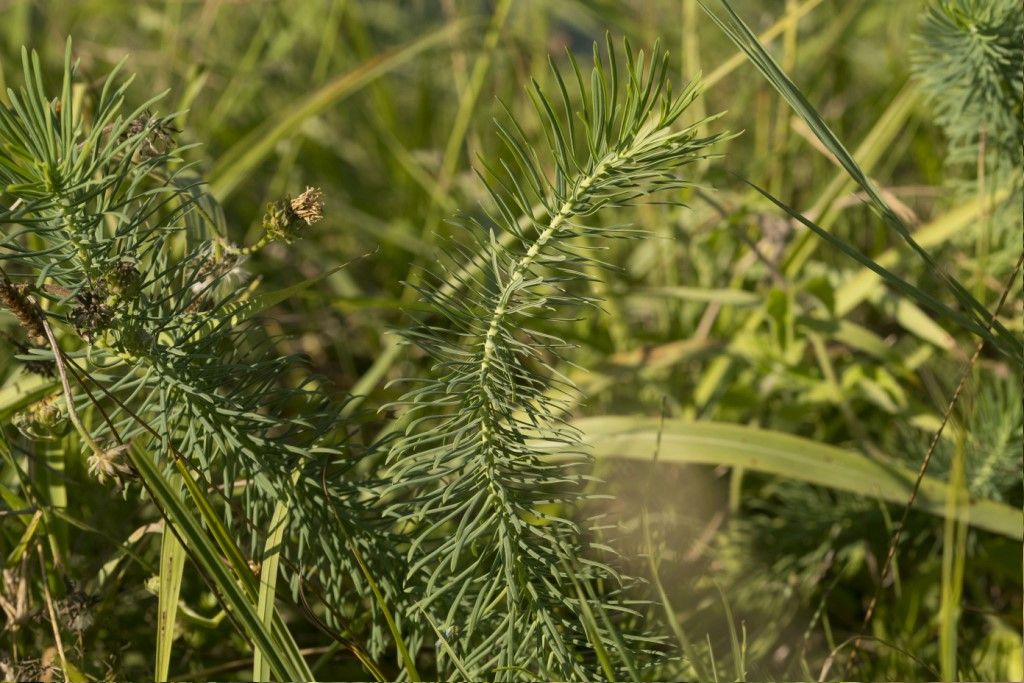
column 91, row 314
column 213, row 268
column 284, row 219
column 75, row 609
column 309, row 206
column 35, row 670
column 110, row 464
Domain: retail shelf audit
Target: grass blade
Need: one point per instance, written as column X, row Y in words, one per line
column 685, row 644
column 963, row 218
column 172, row 567
column 738, row 650
column 591, row 628
column 1006, row 344
column 252, row 149
column 243, row 573
column 710, row 443
column 271, row 560
column 737, row 31
column 954, row 558
column 238, row 601
column 403, row 651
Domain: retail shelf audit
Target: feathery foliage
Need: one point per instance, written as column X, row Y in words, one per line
column 493, row 551
column 113, row 241
column 970, row 61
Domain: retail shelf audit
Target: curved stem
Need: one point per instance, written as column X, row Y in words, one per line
column 58, row 359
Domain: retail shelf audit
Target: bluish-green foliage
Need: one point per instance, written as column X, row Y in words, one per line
column 494, row 549
column 970, row 61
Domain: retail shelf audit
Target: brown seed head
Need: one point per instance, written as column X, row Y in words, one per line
column 91, row 314
column 309, row 206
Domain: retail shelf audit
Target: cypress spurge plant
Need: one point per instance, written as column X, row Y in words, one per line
column 969, row 59
column 135, row 307
column 495, row 553
column 116, row 266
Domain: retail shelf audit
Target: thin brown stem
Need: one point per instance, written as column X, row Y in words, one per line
column 55, row 625
column 58, row 358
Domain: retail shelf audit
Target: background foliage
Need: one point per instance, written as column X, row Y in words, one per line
column 756, row 553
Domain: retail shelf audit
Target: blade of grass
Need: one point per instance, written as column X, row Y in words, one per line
column 446, row 646
column 26, row 537
column 252, row 149
column 172, row 567
column 1006, row 344
column 204, row 551
column 51, row 482
column 625, row 653
column 738, row 652
column 403, row 650
column 714, row 666
column 590, row 625
column 871, row 150
column 685, row 644
column 288, row 649
column 737, row 31
column 270, row 562
column 734, row 297
column 773, row 32
column 796, row 458
column 935, row 232
column 954, row 556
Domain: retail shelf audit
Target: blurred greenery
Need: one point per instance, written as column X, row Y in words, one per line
column 728, row 311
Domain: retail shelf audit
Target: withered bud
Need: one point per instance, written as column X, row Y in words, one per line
column 212, row 269
column 160, row 137
column 75, row 610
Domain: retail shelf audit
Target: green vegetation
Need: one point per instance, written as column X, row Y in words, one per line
column 359, row 340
